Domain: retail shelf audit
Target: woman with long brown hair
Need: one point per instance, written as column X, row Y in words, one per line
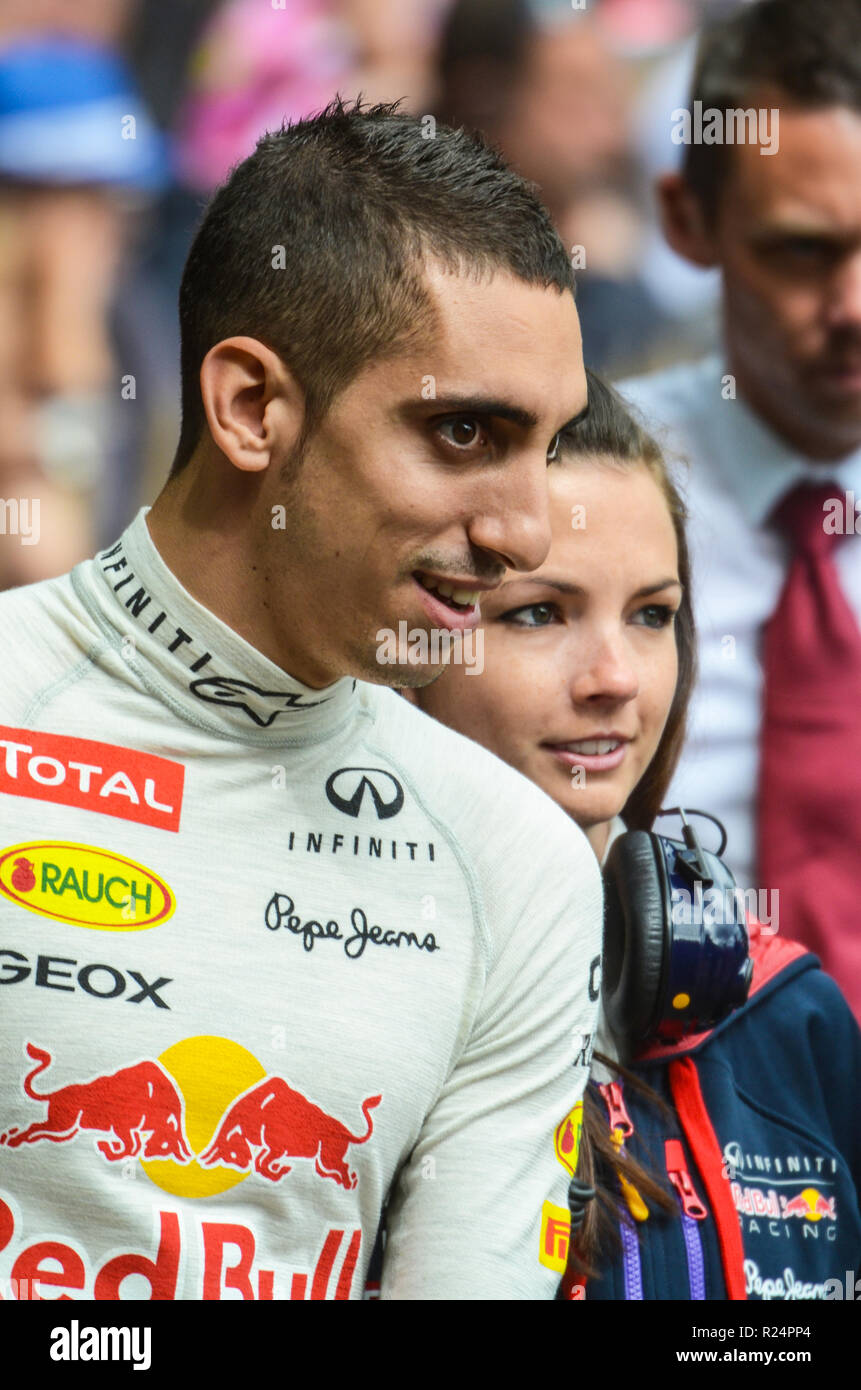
column 725, row 1162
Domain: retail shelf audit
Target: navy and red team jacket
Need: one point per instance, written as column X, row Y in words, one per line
column 763, row 1151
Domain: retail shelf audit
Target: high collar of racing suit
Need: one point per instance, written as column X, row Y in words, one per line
column 195, row 662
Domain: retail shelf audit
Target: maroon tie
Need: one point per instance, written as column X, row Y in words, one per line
column 809, row 814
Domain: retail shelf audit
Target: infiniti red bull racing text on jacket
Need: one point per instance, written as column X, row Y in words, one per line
column 268, row 956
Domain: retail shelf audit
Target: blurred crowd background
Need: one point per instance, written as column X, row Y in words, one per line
column 118, row 118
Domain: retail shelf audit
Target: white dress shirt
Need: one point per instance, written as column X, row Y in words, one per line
column 738, row 472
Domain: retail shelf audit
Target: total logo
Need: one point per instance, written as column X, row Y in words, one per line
column 92, row 776
column 200, row 1118
column 84, row 885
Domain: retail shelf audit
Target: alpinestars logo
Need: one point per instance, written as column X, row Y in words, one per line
column 263, row 706
column 347, row 787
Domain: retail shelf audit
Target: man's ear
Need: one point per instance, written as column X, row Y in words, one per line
column 254, row 406
column 683, row 222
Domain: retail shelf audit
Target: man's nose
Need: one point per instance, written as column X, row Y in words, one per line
column 844, row 305
column 513, row 521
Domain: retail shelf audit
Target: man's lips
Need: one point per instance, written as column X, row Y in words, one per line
column 845, row 374
column 451, row 603
column 599, row 753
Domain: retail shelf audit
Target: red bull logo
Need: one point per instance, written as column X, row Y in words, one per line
column 234, row 1263
column 809, row 1204
column 752, row 1201
column 181, row 1117
column 199, row 1119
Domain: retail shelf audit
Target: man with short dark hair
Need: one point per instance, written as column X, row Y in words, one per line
column 770, row 191
column 282, row 947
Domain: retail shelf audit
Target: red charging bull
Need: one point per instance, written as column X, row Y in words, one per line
column 811, row 1205
column 281, row 1123
column 138, row 1108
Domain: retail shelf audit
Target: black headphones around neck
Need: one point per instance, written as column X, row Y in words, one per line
column 675, row 935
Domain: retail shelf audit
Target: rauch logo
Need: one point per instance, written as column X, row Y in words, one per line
column 84, row 885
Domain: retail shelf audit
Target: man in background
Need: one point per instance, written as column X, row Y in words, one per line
column 772, row 429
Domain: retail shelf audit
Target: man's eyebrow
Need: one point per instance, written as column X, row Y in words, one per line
column 799, row 229
column 482, row 405
column 562, row 586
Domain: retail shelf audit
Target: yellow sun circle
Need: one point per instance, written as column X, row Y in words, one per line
column 210, row 1073
column 810, row 1196
column 681, row 1001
